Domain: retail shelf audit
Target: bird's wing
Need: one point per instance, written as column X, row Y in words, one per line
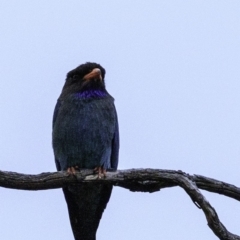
column 115, row 145
column 55, row 113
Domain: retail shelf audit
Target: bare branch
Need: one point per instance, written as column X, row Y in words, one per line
column 211, row 215
column 213, row 185
column 144, row 180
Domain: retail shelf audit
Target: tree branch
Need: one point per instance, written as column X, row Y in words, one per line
column 144, row 180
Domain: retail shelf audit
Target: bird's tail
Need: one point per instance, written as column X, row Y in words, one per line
column 86, row 203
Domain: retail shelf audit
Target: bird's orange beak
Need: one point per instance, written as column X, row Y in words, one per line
column 95, row 73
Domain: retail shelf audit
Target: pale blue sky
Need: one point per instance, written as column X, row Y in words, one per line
column 173, row 68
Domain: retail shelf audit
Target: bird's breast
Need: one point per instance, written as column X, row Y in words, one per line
column 84, row 130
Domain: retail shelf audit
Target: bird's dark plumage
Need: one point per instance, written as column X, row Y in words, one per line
column 85, row 135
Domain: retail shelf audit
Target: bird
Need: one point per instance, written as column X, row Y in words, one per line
column 85, row 135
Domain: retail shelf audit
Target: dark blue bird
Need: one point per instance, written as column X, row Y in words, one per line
column 85, row 135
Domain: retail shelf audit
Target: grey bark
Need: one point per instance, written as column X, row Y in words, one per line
column 143, row 180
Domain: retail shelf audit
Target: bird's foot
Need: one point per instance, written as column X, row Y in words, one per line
column 72, row 170
column 100, row 171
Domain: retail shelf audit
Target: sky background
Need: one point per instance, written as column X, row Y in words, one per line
column 173, row 69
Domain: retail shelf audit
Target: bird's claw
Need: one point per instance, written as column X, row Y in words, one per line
column 72, row 170
column 100, row 171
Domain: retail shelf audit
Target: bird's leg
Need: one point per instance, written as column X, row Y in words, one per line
column 100, row 171
column 72, row 170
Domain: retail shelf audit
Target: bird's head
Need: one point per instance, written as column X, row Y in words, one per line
column 87, row 76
